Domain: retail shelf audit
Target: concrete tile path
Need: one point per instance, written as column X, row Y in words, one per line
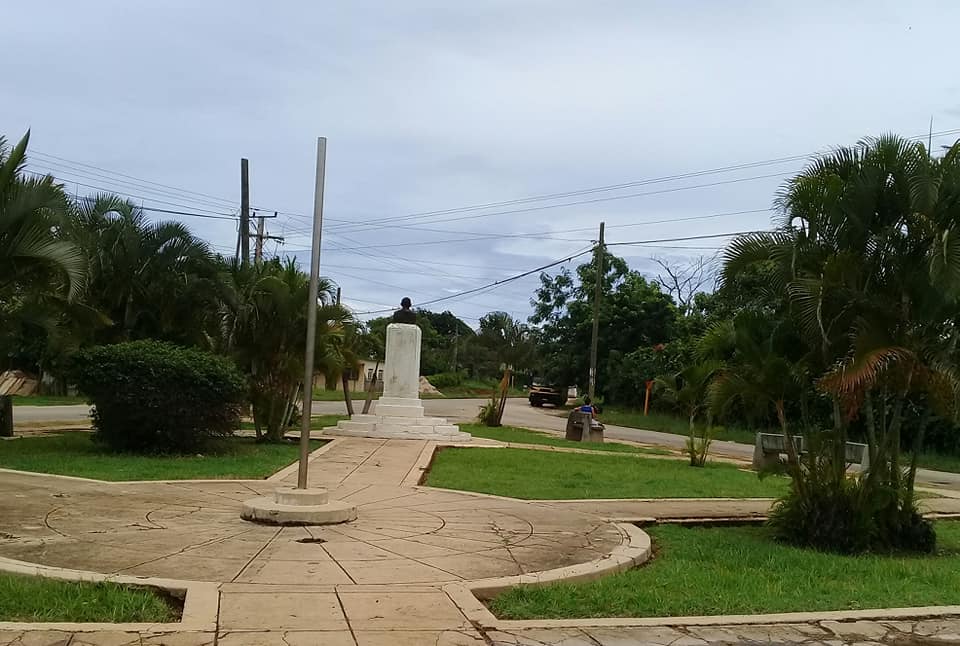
column 376, row 581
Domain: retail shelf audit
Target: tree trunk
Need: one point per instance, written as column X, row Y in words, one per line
column 371, row 387
column 917, row 448
column 347, row 398
column 6, row 416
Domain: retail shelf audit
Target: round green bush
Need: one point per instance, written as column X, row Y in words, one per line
column 157, row 397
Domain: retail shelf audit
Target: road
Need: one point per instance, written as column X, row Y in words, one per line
column 518, row 413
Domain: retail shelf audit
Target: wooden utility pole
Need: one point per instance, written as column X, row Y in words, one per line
column 262, row 236
column 600, row 250
column 244, row 212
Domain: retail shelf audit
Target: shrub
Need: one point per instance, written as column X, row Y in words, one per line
column 445, row 380
column 156, row 397
column 845, row 516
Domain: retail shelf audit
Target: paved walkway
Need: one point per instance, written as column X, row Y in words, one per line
column 377, row 581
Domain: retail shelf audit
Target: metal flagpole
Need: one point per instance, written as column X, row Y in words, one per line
column 312, row 313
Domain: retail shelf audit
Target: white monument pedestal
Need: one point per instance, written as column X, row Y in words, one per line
column 398, row 414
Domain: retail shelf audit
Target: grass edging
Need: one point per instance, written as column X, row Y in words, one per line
column 200, row 599
column 469, row 597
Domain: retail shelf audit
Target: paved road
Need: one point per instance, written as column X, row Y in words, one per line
column 518, row 413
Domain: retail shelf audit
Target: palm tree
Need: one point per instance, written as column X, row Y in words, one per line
column 263, row 323
column 867, row 253
column 34, row 259
column 152, row 279
column 687, row 391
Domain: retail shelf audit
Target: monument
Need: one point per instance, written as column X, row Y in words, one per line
column 398, row 414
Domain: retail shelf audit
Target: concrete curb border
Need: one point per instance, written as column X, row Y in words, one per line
column 201, row 600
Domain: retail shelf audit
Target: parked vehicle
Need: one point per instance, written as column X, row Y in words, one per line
column 541, row 394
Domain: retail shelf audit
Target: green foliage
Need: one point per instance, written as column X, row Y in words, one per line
column 156, row 397
column 834, row 516
column 446, row 380
column 489, row 414
column 634, row 314
column 698, row 447
column 263, row 322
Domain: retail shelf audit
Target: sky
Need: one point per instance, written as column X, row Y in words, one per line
column 433, row 108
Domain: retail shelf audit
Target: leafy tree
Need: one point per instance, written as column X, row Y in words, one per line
column 634, row 314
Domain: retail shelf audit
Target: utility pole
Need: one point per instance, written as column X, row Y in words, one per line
column 338, row 295
column 258, row 247
column 261, row 236
column 244, row 212
column 312, row 313
column 600, row 250
column 456, row 346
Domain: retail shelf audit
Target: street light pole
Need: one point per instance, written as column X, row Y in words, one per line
column 312, row 313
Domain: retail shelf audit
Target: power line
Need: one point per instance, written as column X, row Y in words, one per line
column 496, row 282
column 232, row 218
column 139, row 197
column 702, row 237
column 643, row 182
column 57, row 168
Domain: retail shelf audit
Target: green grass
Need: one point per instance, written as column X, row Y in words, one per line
column 539, row 475
column 526, row 436
column 47, row 400
column 938, row 462
column 75, row 454
column 740, row 570
column 665, row 423
column 34, row 599
column 323, row 395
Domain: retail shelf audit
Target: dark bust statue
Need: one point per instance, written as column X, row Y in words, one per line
column 405, row 314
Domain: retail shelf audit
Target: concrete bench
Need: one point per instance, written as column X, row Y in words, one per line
column 582, row 427
column 770, row 446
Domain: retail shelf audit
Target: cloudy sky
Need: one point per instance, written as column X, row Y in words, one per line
column 431, row 107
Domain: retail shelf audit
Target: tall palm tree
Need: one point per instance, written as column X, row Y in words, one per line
column 34, row 259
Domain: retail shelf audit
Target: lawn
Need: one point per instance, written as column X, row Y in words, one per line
column 34, row 599
column 665, row 423
column 48, row 400
column 75, row 454
column 740, row 570
column 540, row 475
column 526, row 436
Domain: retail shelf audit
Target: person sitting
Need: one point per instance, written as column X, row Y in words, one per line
column 588, row 407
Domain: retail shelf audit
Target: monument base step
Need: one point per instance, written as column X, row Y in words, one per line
column 410, row 428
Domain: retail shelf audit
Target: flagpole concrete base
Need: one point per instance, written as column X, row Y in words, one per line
column 298, row 507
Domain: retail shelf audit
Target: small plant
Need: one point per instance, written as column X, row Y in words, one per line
column 698, row 446
column 489, row 413
column 154, row 397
